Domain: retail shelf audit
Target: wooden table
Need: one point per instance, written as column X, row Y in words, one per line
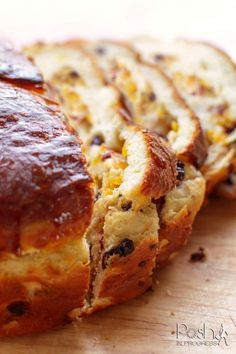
column 188, row 293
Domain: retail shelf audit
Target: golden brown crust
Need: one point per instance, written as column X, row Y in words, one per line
column 47, row 308
column 45, row 190
column 125, row 277
column 46, row 201
column 173, row 236
column 161, row 176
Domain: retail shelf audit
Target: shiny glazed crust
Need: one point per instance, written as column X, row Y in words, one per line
column 43, row 195
column 46, row 201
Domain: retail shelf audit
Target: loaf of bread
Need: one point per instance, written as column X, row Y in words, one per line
column 55, row 261
column 206, row 78
column 46, row 199
column 84, row 223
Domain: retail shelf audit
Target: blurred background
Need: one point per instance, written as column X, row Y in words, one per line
column 27, row 20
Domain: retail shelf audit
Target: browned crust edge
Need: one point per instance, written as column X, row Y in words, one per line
column 160, row 178
column 126, row 277
column 177, row 234
column 47, row 308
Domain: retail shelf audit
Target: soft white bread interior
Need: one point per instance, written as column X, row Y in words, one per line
column 151, row 98
column 131, row 167
column 206, row 78
column 154, row 103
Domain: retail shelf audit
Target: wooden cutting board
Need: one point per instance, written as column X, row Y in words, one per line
column 189, row 294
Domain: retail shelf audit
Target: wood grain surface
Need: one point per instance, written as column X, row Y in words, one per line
column 185, row 293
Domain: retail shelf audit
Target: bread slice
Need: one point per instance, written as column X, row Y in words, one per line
column 151, row 98
column 131, row 166
column 206, row 78
column 46, row 200
column 154, row 103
